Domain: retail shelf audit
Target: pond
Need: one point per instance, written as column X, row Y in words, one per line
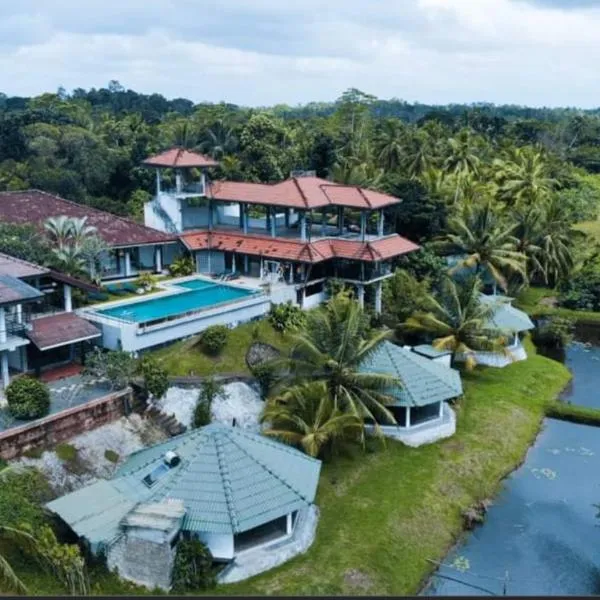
column 541, row 535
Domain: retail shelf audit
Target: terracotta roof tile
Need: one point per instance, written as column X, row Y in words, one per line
column 34, row 206
column 180, row 157
column 295, row 250
column 59, row 330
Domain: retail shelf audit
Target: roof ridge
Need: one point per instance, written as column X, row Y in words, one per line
column 23, row 261
column 225, row 478
column 304, row 198
column 360, row 191
column 386, row 345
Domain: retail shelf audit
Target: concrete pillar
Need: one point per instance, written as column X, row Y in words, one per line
column 5, row 376
column 287, row 218
column 19, row 313
column 158, row 182
column 245, row 263
column 407, row 423
column 288, row 524
column 3, row 332
column 441, row 409
column 378, row 297
column 360, row 289
column 68, row 295
column 261, row 268
column 127, row 263
column 363, row 224
column 158, row 259
column 210, row 214
column 323, row 220
column 273, row 223
column 233, row 263
column 340, row 220
column 380, row 223
column 245, row 217
column 302, row 226
column 178, row 181
column 291, row 274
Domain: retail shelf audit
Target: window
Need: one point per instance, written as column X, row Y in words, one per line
column 156, row 474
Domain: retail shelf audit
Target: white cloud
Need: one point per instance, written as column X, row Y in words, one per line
column 268, row 51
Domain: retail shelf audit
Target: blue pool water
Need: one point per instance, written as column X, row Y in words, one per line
column 198, row 294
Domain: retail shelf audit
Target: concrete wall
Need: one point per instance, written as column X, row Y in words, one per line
column 64, row 425
column 216, row 264
column 314, row 300
column 220, row 544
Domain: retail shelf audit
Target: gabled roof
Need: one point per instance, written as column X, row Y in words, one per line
column 505, row 317
column 16, row 267
column 230, row 481
column 180, row 158
column 296, row 250
column 423, row 380
column 14, row 291
column 35, row 206
column 301, row 192
column 61, row 329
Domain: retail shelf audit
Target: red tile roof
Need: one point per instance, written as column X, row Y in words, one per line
column 301, row 192
column 58, row 330
column 34, row 206
column 295, row 250
column 180, row 158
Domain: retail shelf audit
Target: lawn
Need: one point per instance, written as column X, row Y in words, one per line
column 531, row 302
column 184, row 358
column 384, row 514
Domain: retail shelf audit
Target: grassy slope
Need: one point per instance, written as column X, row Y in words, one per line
column 529, row 301
column 182, row 358
column 386, row 513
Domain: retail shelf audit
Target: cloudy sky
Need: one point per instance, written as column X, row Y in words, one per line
column 258, row 52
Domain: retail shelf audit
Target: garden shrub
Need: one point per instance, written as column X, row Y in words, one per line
column 22, row 495
column 286, row 317
column 66, row 452
column 115, row 366
column 156, row 379
column 28, row 398
column 111, row 456
column 193, row 567
column 182, row 266
column 555, row 332
column 265, row 375
column 210, row 389
column 146, row 281
column 214, row 338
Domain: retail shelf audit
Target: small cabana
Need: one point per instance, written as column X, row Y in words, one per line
column 236, row 491
column 421, row 407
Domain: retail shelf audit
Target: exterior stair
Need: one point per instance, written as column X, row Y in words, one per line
column 167, row 423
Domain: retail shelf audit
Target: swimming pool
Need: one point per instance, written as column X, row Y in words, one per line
column 195, row 295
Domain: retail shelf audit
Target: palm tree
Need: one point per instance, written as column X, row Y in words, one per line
column 484, row 242
column 420, row 155
column 219, row 140
column 307, row 417
column 80, row 231
column 390, row 144
column 458, row 321
column 330, row 348
column 523, row 177
column 69, row 260
column 462, row 161
column 59, row 229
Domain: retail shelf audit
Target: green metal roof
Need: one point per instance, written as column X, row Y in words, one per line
column 429, row 351
column 423, row 380
column 229, row 479
column 506, row 318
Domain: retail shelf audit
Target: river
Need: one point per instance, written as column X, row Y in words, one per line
column 541, row 535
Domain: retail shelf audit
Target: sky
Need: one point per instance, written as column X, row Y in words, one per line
column 265, row 52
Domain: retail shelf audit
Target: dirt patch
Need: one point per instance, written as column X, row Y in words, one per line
column 358, row 580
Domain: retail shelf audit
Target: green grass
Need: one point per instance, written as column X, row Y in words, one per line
column 531, row 302
column 573, row 413
column 590, row 228
column 183, row 358
column 385, row 514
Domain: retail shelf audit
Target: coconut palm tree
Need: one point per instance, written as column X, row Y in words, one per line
column 523, row 177
column 219, row 140
column 59, row 229
column 420, row 155
column 80, row 231
column 69, row 260
column 390, row 144
column 333, row 342
column 458, row 321
column 462, row 161
column 306, row 416
column 484, row 242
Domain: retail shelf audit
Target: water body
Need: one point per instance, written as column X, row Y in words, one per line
column 541, row 536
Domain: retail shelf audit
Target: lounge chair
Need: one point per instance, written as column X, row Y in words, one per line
column 130, row 287
column 97, row 296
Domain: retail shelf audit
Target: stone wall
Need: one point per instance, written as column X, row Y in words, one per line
column 64, row 425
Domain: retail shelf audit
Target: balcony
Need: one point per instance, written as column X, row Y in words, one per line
column 186, row 190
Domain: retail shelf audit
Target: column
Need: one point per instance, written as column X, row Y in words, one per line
column 302, row 226
column 363, row 224
column 245, row 217
column 233, row 262
column 378, row 297
column 288, row 524
column 158, row 182
column 287, row 218
column 210, row 214
column 67, row 293
column 127, row 263
column 360, row 289
column 441, row 409
column 340, row 220
column 268, row 219
column 407, row 423
column 323, row 220
column 291, row 274
column 24, row 365
column 178, row 183
column 273, row 223
column 5, row 377
column 380, row 223
column 261, row 268
column 19, row 313
column 158, row 259
column 246, row 264
column 3, row 332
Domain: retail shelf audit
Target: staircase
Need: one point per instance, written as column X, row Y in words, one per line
column 167, row 423
column 162, row 214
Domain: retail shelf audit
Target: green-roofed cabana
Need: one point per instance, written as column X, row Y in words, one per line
column 240, row 490
column 420, row 410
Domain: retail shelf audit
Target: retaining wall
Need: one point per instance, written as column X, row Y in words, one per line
column 66, row 424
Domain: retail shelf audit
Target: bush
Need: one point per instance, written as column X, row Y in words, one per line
column 265, row 375
column 66, row 452
column 214, row 338
column 156, row 379
column 193, row 567
column 182, row 266
column 28, row 398
column 116, row 366
column 111, row 456
column 286, row 317
column 146, row 281
column 210, row 389
column 22, row 495
column 555, row 332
